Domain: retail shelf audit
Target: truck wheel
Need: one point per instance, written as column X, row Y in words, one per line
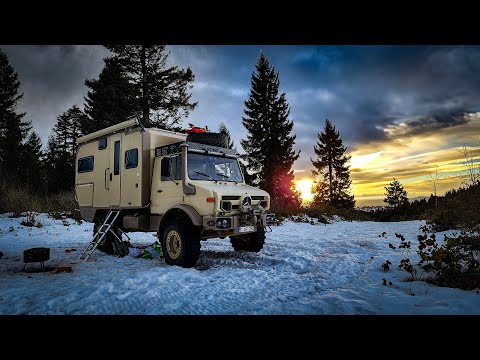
column 250, row 242
column 106, row 245
column 209, row 138
column 180, row 241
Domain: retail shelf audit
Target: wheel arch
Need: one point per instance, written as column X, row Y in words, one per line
column 181, row 209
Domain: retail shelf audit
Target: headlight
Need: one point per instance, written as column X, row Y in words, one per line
column 224, row 223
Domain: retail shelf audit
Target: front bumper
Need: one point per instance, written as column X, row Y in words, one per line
column 236, row 224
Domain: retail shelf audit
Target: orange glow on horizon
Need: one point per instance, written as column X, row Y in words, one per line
column 413, row 158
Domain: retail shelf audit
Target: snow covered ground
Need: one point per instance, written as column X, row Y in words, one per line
column 303, row 269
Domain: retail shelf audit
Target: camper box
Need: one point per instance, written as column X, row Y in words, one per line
column 114, row 165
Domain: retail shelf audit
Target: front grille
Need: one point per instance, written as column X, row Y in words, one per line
column 230, row 197
column 257, row 197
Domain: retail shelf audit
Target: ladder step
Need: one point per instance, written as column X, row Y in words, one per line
column 119, row 248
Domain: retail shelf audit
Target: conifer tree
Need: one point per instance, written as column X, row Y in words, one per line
column 269, row 143
column 13, row 129
column 60, row 157
column 332, row 167
column 222, row 128
column 110, row 99
column 158, row 88
column 396, row 196
column 32, row 167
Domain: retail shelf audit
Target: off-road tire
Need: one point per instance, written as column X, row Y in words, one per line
column 189, row 241
column 107, row 243
column 249, row 242
column 209, row 138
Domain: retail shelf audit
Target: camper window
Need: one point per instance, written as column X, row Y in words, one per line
column 85, row 164
column 116, row 158
column 102, row 143
column 131, row 159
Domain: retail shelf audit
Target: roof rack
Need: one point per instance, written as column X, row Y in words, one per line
column 193, row 147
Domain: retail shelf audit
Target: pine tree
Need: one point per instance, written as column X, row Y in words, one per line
column 157, row 87
column 60, row 157
column 396, row 196
column 56, row 166
column 332, row 166
column 76, row 118
column 13, row 130
column 110, row 99
column 32, row 169
column 50, row 157
column 222, row 129
column 269, row 145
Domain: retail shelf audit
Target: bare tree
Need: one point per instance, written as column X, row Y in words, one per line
column 473, row 170
column 434, row 178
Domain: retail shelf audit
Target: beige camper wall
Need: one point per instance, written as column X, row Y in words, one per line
column 131, row 187
column 131, row 179
column 91, row 186
column 125, row 189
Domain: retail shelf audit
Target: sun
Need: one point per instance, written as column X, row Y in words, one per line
column 305, row 188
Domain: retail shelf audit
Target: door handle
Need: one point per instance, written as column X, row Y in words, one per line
column 106, row 182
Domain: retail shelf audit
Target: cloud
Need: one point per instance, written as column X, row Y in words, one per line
column 428, row 124
column 52, row 79
column 412, row 157
column 309, row 94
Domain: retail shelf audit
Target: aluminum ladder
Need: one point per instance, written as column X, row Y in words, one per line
column 119, row 248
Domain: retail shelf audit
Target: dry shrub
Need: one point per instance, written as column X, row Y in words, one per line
column 63, row 201
column 17, row 200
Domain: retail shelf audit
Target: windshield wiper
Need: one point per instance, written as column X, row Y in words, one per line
column 201, row 173
column 226, row 176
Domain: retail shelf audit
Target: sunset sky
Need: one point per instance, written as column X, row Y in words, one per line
column 402, row 111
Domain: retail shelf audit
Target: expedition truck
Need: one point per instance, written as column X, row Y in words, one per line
column 187, row 187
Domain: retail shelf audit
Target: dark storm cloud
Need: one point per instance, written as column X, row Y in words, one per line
column 52, row 79
column 361, row 89
column 428, row 124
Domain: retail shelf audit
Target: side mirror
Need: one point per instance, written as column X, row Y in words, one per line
column 166, row 168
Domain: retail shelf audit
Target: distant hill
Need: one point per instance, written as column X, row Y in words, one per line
column 419, row 198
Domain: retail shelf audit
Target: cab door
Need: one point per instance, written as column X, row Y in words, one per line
column 170, row 191
column 113, row 172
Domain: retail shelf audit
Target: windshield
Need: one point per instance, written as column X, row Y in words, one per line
column 214, row 168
